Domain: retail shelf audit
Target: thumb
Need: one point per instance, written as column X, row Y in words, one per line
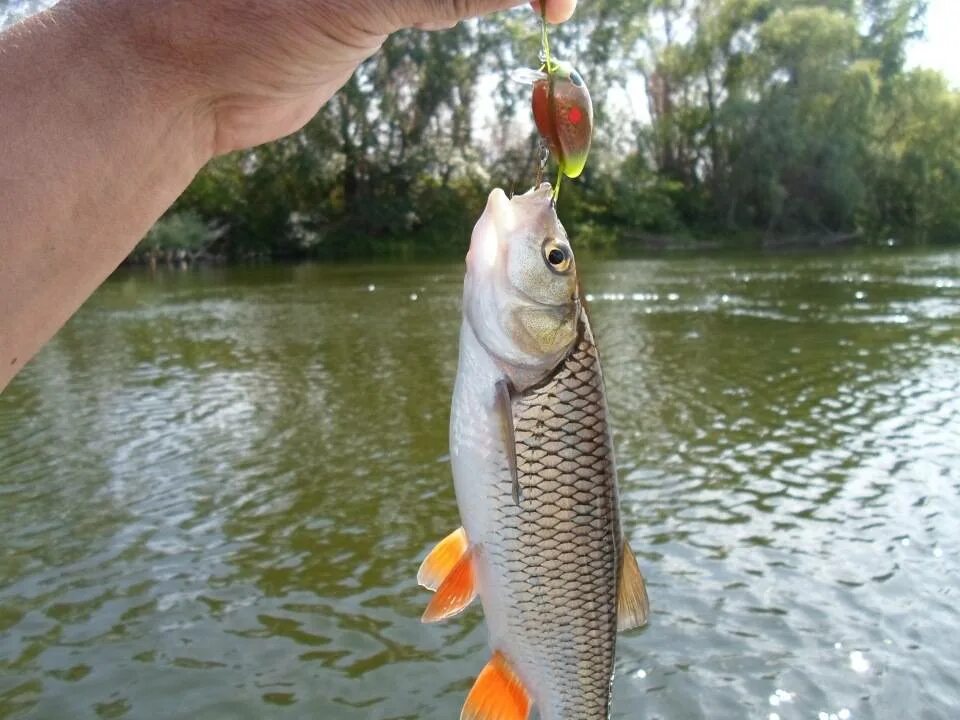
column 440, row 14
column 437, row 14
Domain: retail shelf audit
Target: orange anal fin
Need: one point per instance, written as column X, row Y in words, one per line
column 442, row 559
column 633, row 607
column 497, row 694
column 456, row 591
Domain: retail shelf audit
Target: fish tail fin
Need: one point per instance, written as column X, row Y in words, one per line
column 497, row 694
column 455, row 593
column 442, row 559
column 633, row 606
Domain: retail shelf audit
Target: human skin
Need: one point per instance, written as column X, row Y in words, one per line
column 110, row 108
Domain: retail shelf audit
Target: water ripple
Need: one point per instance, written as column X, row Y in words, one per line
column 217, row 486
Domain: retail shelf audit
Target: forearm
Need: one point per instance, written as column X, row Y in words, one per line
column 93, row 151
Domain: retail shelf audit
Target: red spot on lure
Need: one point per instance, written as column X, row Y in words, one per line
column 563, row 112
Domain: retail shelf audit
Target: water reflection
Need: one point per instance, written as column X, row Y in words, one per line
column 217, row 485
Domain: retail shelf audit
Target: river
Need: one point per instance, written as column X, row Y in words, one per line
column 216, row 486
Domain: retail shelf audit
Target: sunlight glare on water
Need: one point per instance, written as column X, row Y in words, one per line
column 217, row 486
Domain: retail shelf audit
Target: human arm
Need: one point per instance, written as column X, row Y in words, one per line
column 109, row 108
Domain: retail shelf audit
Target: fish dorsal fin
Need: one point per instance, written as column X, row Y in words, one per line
column 504, row 408
column 633, row 607
column 442, row 559
column 457, row 590
column 497, row 694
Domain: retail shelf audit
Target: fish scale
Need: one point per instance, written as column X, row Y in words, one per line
column 560, row 549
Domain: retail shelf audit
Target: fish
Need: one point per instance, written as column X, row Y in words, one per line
column 541, row 541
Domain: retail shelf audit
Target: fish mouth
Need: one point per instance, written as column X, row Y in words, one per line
column 497, row 219
column 544, row 191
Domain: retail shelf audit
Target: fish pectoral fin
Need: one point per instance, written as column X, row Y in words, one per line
column 504, row 407
column 633, row 606
column 497, row 694
column 442, row 559
column 457, row 590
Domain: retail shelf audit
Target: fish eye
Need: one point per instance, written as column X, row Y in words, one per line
column 557, row 255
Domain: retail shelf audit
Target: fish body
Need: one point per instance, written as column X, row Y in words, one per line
column 533, row 466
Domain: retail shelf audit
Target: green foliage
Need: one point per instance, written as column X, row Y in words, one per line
column 916, row 160
column 761, row 117
column 178, row 232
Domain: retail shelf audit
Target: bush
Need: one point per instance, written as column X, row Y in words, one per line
column 180, row 235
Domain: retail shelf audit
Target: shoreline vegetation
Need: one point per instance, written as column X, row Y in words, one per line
column 627, row 244
column 751, row 124
column 184, row 239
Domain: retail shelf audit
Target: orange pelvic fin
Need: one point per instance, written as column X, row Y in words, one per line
column 633, row 607
column 456, row 591
column 497, row 694
column 442, row 559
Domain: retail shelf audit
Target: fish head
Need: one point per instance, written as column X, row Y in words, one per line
column 521, row 294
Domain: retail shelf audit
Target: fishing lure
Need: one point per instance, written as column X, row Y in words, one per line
column 562, row 109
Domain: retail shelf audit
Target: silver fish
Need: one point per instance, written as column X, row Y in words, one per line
column 541, row 541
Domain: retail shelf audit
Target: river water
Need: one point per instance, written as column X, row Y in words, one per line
column 216, row 486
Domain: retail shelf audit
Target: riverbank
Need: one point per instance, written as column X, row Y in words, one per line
column 185, row 239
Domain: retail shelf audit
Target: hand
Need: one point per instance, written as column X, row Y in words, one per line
column 258, row 71
column 112, row 106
